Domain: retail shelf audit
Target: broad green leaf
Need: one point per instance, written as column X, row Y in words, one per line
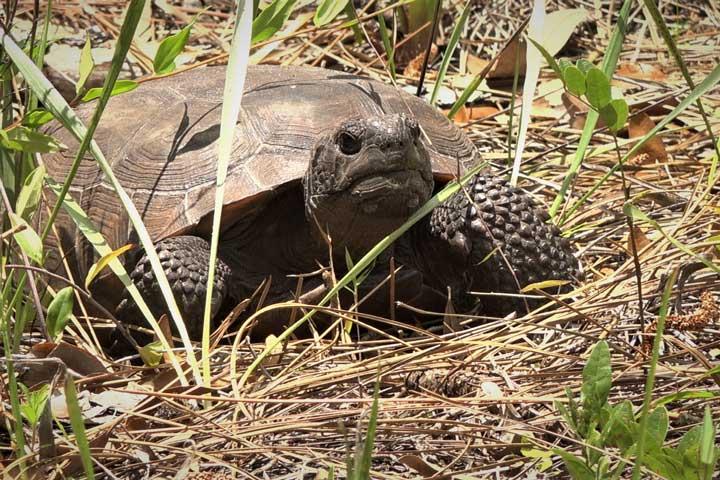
column 27, row 239
column 169, row 49
column 619, row 430
column 152, row 353
column 614, row 114
column 584, row 66
column 37, row 118
column 271, row 19
column 104, row 261
column 564, row 63
column 576, row 467
column 544, row 456
column 121, row 86
column 34, row 403
column 597, row 88
column 26, row 140
column 657, row 427
column 689, row 446
column 327, row 11
column 597, row 379
column 59, row 312
column 86, row 65
column 29, row 196
column 665, row 462
column 574, row 80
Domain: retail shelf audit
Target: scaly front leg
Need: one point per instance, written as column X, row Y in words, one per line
column 489, row 237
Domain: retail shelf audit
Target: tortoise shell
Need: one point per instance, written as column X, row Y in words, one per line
column 161, row 140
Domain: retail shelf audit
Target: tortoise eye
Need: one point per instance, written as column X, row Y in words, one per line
column 349, row 144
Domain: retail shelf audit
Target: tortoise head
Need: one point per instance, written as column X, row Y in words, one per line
column 366, row 178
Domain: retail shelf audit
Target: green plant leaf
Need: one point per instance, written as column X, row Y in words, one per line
column 121, row 86
column 104, row 261
column 87, row 64
column 387, row 45
column 170, row 48
column 59, row 312
column 363, row 458
column 152, row 353
column 689, row 446
column 584, row 66
column 707, row 439
column 29, row 196
column 27, row 239
column 34, row 403
column 619, row 430
column 271, row 19
column 564, row 63
column 597, row 88
column 657, row 428
column 597, row 379
column 37, row 118
column 25, row 140
column 685, row 395
column 614, row 114
column 327, row 10
column 449, row 50
column 544, row 456
column 574, row 80
column 548, row 58
column 576, row 467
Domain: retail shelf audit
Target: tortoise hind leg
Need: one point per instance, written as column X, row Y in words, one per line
column 491, row 237
column 185, row 260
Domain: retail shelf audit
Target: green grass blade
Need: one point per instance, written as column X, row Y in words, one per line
column 232, row 98
column 442, row 196
column 609, row 62
column 449, row 50
column 672, row 47
column 64, row 113
column 709, row 82
column 78, row 425
column 650, row 381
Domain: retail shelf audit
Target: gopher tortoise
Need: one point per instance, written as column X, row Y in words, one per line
column 317, row 154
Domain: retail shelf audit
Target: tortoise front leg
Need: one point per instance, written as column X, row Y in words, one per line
column 185, row 260
column 490, row 237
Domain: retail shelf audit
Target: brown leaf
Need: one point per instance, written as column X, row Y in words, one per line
column 475, row 65
column 641, row 71
column 415, row 65
column 641, row 240
column 418, row 464
column 473, row 112
column 504, row 67
column 75, row 358
column 638, row 126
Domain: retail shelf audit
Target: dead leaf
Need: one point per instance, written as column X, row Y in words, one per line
column 473, row 112
column 641, row 240
column 638, row 126
column 641, row 71
column 475, row 65
column 74, row 464
column 504, row 67
column 415, row 65
column 75, row 358
column 419, row 465
column 576, row 109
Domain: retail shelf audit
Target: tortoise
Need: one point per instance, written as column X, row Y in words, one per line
column 317, row 153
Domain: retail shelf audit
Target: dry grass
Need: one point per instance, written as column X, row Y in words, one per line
column 459, row 402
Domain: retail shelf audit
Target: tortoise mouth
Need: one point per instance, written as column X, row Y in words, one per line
column 391, row 193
